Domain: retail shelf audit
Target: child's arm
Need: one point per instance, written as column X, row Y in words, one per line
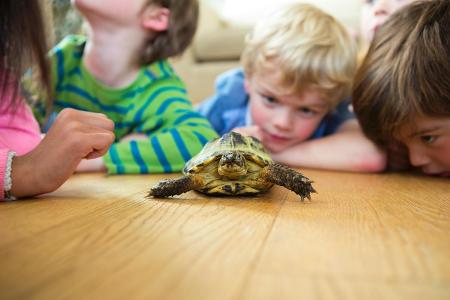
column 91, row 165
column 166, row 151
column 167, row 132
column 227, row 108
column 97, row 164
column 346, row 150
column 74, row 135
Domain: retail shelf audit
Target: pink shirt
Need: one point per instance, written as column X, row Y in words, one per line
column 19, row 132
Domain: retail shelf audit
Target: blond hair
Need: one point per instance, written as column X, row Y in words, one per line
column 310, row 47
column 406, row 71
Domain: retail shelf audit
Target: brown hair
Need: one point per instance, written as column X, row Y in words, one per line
column 183, row 21
column 406, row 71
column 22, row 40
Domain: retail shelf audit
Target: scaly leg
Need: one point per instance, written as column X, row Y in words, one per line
column 289, row 178
column 170, row 187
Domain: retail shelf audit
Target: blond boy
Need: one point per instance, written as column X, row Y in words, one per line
column 298, row 67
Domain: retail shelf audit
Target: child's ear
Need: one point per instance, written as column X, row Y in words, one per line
column 155, row 18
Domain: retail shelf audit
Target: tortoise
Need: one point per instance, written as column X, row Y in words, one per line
column 233, row 165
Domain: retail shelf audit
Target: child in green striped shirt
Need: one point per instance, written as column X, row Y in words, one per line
column 121, row 70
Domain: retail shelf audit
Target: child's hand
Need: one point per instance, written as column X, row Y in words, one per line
column 253, row 130
column 97, row 165
column 73, row 136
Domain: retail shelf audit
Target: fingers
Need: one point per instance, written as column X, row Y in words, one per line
column 88, row 118
column 89, row 141
column 99, row 143
column 247, row 130
column 253, row 130
column 73, row 136
column 81, row 134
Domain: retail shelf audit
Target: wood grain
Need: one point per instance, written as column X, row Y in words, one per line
column 361, row 237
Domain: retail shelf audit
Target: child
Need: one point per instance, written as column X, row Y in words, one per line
column 402, row 90
column 375, row 13
column 29, row 166
column 122, row 71
column 298, row 66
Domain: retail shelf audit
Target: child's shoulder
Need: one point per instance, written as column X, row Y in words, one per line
column 161, row 69
column 161, row 75
column 71, row 43
column 231, row 82
column 230, row 94
column 231, row 77
column 337, row 117
column 67, row 55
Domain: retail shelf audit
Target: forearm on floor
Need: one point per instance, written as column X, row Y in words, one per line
column 346, row 151
column 160, row 153
column 91, row 165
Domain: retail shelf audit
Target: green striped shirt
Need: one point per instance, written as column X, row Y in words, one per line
column 155, row 104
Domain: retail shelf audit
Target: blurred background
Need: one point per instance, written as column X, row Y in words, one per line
column 219, row 40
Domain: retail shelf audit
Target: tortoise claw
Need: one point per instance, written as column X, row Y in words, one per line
column 171, row 187
column 290, row 179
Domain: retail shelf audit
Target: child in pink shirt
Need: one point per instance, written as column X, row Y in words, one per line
column 16, row 121
column 28, row 165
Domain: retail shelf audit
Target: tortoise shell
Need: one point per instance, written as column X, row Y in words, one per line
column 233, row 165
column 235, row 146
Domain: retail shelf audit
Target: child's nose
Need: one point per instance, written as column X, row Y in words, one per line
column 381, row 7
column 282, row 119
column 417, row 157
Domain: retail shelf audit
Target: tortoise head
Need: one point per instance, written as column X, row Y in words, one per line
column 232, row 165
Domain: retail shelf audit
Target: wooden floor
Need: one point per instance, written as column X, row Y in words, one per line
column 361, row 237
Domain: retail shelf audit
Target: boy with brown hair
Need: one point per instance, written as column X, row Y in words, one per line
column 402, row 90
column 121, row 70
column 298, row 68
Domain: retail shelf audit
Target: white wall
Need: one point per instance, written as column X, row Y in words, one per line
column 246, row 12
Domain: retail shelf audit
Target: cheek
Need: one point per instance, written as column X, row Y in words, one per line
column 115, row 9
column 443, row 155
column 365, row 27
column 86, row 4
column 304, row 128
column 446, row 162
column 259, row 112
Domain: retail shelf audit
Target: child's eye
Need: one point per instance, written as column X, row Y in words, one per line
column 305, row 111
column 269, row 100
column 428, row 139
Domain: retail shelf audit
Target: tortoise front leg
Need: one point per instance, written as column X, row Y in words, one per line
column 289, row 178
column 170, row 187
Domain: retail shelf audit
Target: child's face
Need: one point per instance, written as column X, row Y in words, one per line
column 376, row 12
column 118, row 10
column 428, row 143
column 285, row 119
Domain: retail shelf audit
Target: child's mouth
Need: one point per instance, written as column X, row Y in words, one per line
column 438, row 174
column 276, row 138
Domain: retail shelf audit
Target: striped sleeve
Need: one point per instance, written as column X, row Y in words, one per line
column 63, row 57
column 175, row 133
